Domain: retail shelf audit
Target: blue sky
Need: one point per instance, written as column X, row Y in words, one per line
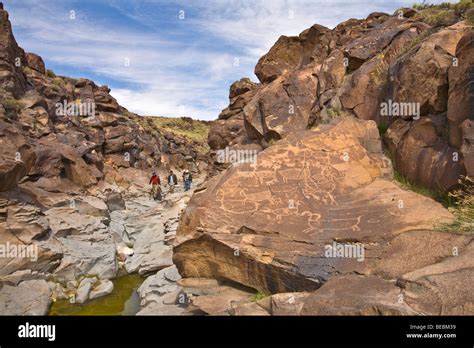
column 170, row 58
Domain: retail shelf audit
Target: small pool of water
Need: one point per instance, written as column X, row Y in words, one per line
column 123, row 300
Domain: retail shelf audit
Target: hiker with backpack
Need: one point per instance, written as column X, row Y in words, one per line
column 155, row 183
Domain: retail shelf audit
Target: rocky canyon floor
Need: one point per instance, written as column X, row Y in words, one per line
column 134, row 238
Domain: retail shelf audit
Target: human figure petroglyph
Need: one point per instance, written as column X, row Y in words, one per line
column 356, row 227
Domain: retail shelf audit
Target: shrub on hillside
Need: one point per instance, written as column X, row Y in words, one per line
column 27, row 70
column 463, row 209
column 50, row 73
column 444, row 14
column 12, row 106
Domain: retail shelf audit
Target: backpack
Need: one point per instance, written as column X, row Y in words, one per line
column 155, row 180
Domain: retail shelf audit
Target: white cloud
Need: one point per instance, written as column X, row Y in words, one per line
column 144, row 103
column 190, row 64
column 255, row 26
column 172, row 78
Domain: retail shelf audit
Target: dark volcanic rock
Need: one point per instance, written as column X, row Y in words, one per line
column 115, row 201
column 267, row 226
column 354, row 69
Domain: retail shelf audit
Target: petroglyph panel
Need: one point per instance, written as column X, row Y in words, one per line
column 307, row 191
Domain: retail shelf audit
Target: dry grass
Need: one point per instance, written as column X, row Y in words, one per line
column 27, row 70
column 445, row 13
column 194, row 131
column 330, row 113
column 12, row 106
column 463, row 209
column 185, row 127
column 50, row 73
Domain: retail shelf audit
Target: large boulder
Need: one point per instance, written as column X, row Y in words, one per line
column 267, row 112
column 267, row 226
column 368, row 296
column 105, row 287
column 461, row 101
column 66, row 221
column 240, row 87
column 116, row 131
column 430, row 289
column 430, row 76
column 36, row 62
column 26, row 222
column 53, row 159
column 105, row 102
column 20, row 249
column 47, row 193
column 427, row 290
column 368, row 58
column 422, row 75
column 115, row 201
column 225, row 132
column 48, row 160
column 82, row 258
column 76, row 169
column 287, row 103
column 283, row 56
column 361, row 93
column 31, row 297
column 289, row 53
column 12, row 167
column 422, row 155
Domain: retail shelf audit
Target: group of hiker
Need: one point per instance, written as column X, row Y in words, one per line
column 172, row 182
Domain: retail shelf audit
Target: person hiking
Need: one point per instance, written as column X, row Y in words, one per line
column 172, row 181
column 185, row 178
column 155, row 183
column 188, row 181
